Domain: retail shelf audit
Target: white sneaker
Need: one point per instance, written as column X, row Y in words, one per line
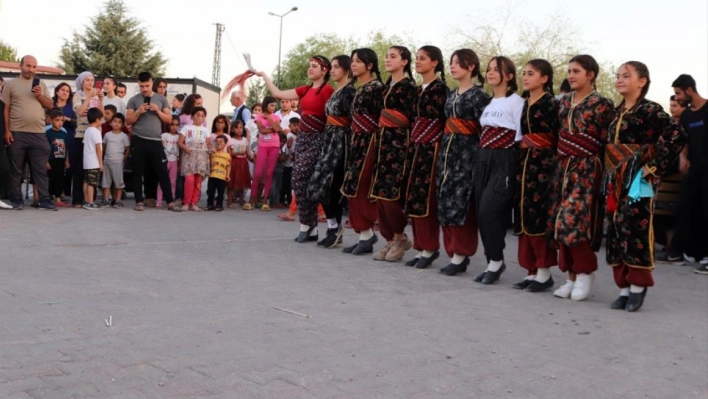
column 582, row 286
column 565, row 290
column 4, row 205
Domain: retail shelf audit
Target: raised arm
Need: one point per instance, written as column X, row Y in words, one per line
column 275, row 91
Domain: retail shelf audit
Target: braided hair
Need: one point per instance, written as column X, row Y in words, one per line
column 435, row 54
column 468, row 58
column 544, row 68
column 368, row 56
column 406, row 56
column 327, row 67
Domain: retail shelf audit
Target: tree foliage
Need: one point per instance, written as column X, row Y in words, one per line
column 114, row 43
column 7, row 52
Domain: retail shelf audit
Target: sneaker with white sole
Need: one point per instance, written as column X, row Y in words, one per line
column 702, row 269
column 564, row 290
column 582, row 286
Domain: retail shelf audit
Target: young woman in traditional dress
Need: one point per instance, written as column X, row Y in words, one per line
column 359, row 165
column 390, row 171
column 497, row 163
column 643, row 142
column 539, row 138
column 575, row 220
column 312, row 98
column 421, row 202
column 329, row 171
column 456, row 204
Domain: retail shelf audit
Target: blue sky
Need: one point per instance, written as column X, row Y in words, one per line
column 671, row 37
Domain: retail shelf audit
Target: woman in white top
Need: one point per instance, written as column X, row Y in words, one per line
column 497, row 164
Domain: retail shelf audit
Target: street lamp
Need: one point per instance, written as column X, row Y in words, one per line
column 280, row 42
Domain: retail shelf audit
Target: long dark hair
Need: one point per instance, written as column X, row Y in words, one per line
column 406, row 56
column 58, row 87
column 322, row 59
column 505, row 66
column 435, row 54
column 468, row 58
column 544, row 68
column 226, row 124
column 588, row 63
column 156, row 82
column 642, row 72
column 188, row 104
column 367, row 56
column 267, row 100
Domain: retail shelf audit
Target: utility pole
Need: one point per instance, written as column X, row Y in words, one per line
column 216, row 66
column 280, row 41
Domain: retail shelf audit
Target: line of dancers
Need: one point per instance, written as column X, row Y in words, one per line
column 462, row 161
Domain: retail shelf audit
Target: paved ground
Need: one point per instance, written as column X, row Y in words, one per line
column 192, row 300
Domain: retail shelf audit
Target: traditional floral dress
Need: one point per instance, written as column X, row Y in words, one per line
column 641, row 139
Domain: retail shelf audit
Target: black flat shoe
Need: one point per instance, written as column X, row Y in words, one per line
column 365, row 246
column 412, row 262
column 522, row 284
column 620, row 303
column 452, row 269
column 348, row 250
column 305, row 236
column 424, row 262
column 493, row 277
column 535, row 286
column 635, row 301
column 478, row 278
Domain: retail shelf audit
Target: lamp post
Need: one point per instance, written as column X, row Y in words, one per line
column 280, row 42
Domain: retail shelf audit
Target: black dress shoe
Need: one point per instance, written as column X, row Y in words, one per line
column 331, row 240
column 535, row 286
column 635, row 301
column 424, row 262
column 478, row 278
column 452, row 269
column 522, row 284
column 348, row 250
column 412, row 262
column 305, row 236
column 492, row 277
column 365, row 246
column 620, row 303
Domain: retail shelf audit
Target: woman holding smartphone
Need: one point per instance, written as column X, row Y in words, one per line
column 86, row 97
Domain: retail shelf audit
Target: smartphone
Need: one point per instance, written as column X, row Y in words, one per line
column 99, row 85
column 35, row 82
column 146, row 100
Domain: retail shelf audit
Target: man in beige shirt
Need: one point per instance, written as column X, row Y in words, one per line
column 25, row 133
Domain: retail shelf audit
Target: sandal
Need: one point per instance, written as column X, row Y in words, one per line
column 286, row 218
column 265, row 208
column 247, row 207
column 174, row 208
column 139, row 207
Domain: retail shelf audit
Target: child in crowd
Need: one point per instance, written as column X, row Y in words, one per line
column 117, row 148
column 283, row 157
column 220, row 126
column 286, row 191
column 177, row 104
column 169, row 143
column 58, row 156
column 220, row 173
column 93, row 157
column 195, row 158
column 108, row 112
column 240, row 175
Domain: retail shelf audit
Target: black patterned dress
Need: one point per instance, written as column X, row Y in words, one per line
column 539, row 130
column 421, row 199
column 359, row 164
column 337, row 134
column 455, row 170
column 643, row 140
column 575, row 214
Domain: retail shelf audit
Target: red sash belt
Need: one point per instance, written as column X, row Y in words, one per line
column 461, row 126
column 538, row 140
column 341, row 121
column 578, row 145
column 497, row 137
column 363, row 123
column 426, row 130
column 312, row 124
column 392, row 118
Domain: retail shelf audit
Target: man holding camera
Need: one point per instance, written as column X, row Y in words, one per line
column 147, row 111
column 25, row 99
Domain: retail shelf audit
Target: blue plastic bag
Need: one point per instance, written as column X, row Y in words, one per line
column 640, row 188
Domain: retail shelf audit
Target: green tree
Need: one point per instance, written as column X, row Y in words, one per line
column 114, row 43
column 256, row 92
column 7, row 52
column 296, row 61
